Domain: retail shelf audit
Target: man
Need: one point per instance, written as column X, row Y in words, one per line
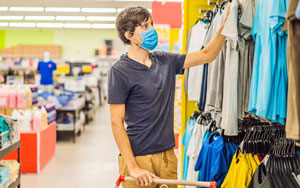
column 141, row 89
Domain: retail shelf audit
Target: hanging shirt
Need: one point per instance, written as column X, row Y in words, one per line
column 194, row 149
column 269, row 78
column 186, row 141
column 46, row 69
column 261, row 179
column 230, row 92
column 246, row 53
column 212, row 160
column 198, row 33
column 215, row 79
column 148, row 95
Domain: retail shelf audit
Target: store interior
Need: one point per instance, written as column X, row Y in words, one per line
column 236, row 119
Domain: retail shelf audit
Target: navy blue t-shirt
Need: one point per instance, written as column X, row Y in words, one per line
column 46, row 69
column 148, row 95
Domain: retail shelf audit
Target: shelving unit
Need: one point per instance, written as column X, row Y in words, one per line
column 7, row 150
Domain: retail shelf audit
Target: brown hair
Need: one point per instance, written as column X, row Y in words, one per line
column 129, row 19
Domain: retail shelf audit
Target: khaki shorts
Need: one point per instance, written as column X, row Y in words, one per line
column 163, row 165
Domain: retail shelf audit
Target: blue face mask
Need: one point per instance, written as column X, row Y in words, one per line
column 150, row 39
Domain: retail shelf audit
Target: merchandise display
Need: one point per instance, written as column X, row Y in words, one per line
column 194, row 92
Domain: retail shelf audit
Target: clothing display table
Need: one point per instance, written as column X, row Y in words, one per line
column 36, row 149
column 74, row 107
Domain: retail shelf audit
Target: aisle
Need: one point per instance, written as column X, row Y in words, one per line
column 90, row 163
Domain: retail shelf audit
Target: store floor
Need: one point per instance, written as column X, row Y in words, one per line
column 89, row 163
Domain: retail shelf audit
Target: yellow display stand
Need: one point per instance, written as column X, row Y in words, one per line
column 192, row 12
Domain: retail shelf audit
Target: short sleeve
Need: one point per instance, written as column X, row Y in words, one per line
column 230, row 29
column 177, row 61
column 54, row 66
column 39, row 67
column 117, row 87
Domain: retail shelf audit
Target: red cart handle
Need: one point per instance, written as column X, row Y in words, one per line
column 173, row 182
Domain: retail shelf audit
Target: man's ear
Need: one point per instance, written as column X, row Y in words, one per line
column 128, row 35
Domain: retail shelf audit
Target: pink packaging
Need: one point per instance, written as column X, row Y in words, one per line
column 3, row 98
column 21, row 99
column 12, row 99
column 37, row 121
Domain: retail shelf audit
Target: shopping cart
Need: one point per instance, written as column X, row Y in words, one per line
column 163, row 182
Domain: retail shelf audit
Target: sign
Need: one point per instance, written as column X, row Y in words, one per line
column 167, row 13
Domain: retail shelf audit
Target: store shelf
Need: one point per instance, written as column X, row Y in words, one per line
column 5, row 151
column 15, row 183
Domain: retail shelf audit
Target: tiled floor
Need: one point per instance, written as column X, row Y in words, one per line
column 89, row 163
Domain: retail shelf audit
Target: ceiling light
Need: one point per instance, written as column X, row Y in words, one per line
column 120, row 10
column 71, row 25
column 3, row 24
column 39, row 17
column 101, row 18
column 50, row 25
column 26, row 9
column 101, row 10
column 22, row 24
column 134, row 0
column 11, row 17
column 103, row 26
column 61, row 9
column 71, row 18
column 3, row 8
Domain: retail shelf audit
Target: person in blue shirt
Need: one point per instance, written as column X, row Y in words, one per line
column 141, row 91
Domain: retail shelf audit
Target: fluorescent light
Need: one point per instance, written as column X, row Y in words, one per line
column 3, row 8
column 101, row 10
column 134, row 0
column 11, row 17
column 120, row 10
column 26, row 9
column 61, row 9
column 39, row 17
column 50, row 25
column 101, row 18
column 3, row 24
column 21, row 24
column 71, row 18
column 75, row 25
column 103, row 26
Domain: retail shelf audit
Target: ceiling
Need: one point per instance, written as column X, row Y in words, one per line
column 63, row 13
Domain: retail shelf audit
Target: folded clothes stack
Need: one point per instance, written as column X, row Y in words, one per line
column 35, row 95
column 4, row 177
column 13, row 167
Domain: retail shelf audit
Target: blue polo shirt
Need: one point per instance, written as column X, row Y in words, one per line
column 148, row 95
column 46, row 69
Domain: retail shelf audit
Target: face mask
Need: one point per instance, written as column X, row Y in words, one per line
column 150, row 39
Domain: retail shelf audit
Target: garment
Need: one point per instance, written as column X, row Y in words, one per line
column 215, row 79
column 230, row 92
column 198, row 33
column 212, row 161
column 194, row 149
column 246, row 52
column 186, row 141
column 261, row 178
column 240, row 171
column 163, row 165
column 268, row 83
column 203, row 91
column 46, row 69
column 148, row 95
column 293, row 56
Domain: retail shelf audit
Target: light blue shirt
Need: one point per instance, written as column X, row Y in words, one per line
column 186, row 141
column 268, row 89
column 298, row 11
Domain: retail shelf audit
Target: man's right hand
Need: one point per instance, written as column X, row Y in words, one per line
column 143, row 177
